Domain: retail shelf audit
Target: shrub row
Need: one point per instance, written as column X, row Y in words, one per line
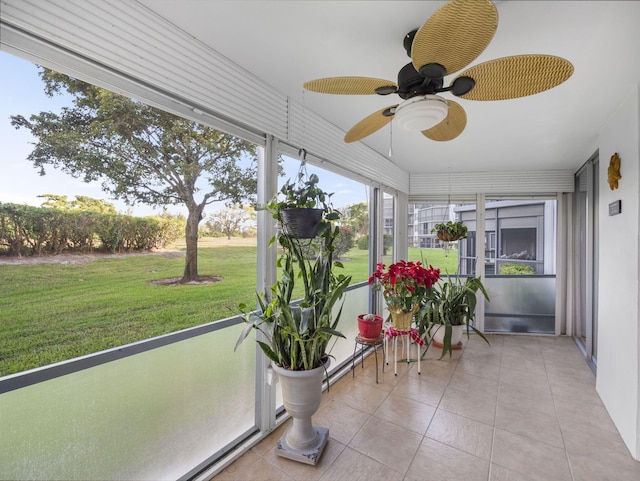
column 27, row 230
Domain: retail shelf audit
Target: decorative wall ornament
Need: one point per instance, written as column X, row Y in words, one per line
column 613, row 172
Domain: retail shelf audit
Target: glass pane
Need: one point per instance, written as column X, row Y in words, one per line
column 525, row 236
column 520, row 304
column 153, row 415
column 351, row 199
column 71, row 306
column 388, row 231
column 520, row 265
column 424, row 244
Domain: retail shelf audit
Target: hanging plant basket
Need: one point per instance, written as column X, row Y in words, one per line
column 450, row 231
column 301, row 223
column 445, row 236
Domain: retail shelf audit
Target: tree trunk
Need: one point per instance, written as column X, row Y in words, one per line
column 191, row 240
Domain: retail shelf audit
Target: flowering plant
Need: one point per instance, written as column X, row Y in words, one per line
column 405, row 284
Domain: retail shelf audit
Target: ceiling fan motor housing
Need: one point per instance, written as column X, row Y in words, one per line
column 412, row 83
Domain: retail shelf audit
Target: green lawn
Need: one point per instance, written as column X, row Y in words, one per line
column 54, row 312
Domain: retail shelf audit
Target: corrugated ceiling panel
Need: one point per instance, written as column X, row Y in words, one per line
column 129, row 38
column 429, row 186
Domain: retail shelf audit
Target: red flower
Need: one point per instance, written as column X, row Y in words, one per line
column 405, row 283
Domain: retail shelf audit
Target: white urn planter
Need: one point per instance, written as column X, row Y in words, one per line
column 301, row 394
column 456, row 336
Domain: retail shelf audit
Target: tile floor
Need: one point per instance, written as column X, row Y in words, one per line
column 523, row 409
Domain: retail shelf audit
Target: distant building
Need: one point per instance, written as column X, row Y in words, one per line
column 516, row 232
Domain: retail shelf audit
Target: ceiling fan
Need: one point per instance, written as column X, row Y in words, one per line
column 448, row 41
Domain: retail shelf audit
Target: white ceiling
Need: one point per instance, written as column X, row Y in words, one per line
column 285, row 43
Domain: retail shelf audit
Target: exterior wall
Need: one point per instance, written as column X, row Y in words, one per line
column 618, row 381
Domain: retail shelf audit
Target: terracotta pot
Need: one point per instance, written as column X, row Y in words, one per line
column 370, row 329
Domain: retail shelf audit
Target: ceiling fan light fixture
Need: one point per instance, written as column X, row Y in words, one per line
column 421, row 112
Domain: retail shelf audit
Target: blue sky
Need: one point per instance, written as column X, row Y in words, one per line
column 21, row 92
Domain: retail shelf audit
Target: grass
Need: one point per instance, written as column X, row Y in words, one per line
column 54, row 312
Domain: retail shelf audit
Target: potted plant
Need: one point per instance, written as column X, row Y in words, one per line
column 297, row 336
column 301, row 204
column 369, row 326
column 404, row 286
column 448, row 310
column 450, row 231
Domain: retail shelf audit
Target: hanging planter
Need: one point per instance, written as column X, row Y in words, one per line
column 301, row 222
column 301, row 205
column 451, row 231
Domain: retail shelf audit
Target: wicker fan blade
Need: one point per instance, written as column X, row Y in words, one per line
column 351, row 86
column 455, row 34
column 369, row 125
column 517, row 76
column 451, row 126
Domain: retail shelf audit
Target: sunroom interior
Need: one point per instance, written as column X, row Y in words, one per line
column 157, row 409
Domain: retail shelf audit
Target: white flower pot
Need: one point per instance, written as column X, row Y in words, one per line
column 456, row 335
column 301, row 394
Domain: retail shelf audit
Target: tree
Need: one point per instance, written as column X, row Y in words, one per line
column 231, row 220
column 82, row 203
column 141, row 154
column 357, row 217
column 344, row 242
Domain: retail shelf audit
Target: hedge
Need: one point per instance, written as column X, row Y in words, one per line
column 27, row 230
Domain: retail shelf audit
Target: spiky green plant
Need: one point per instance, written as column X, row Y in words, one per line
column 298, row 335
column 451, row 303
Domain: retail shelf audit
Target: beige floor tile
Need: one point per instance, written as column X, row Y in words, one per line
column 523, row 397
column 354, row 466
column 407, row 413
column 525, row 455
column 261, row 469
column 595, row 468
column 582, row 375
column 587, row 440
column 439, row 370
column 422, row 389
column 436, row 461
column 479, row 405
column 500, row 473
column 434, row 352
column 568, row 357
column 343, row 421
column 523, row 361
column 515, row 403
column 367, row 375
column 566, row 394
column 388, row 443
column 238, row 467
column 472, row 367
column 484, row 356
column 532, row 424
column 528, row 379
column 363, row 397
column 465, row 434
column 473, row 384
column 476, row 343
column 578, row 413
column 461, row 379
